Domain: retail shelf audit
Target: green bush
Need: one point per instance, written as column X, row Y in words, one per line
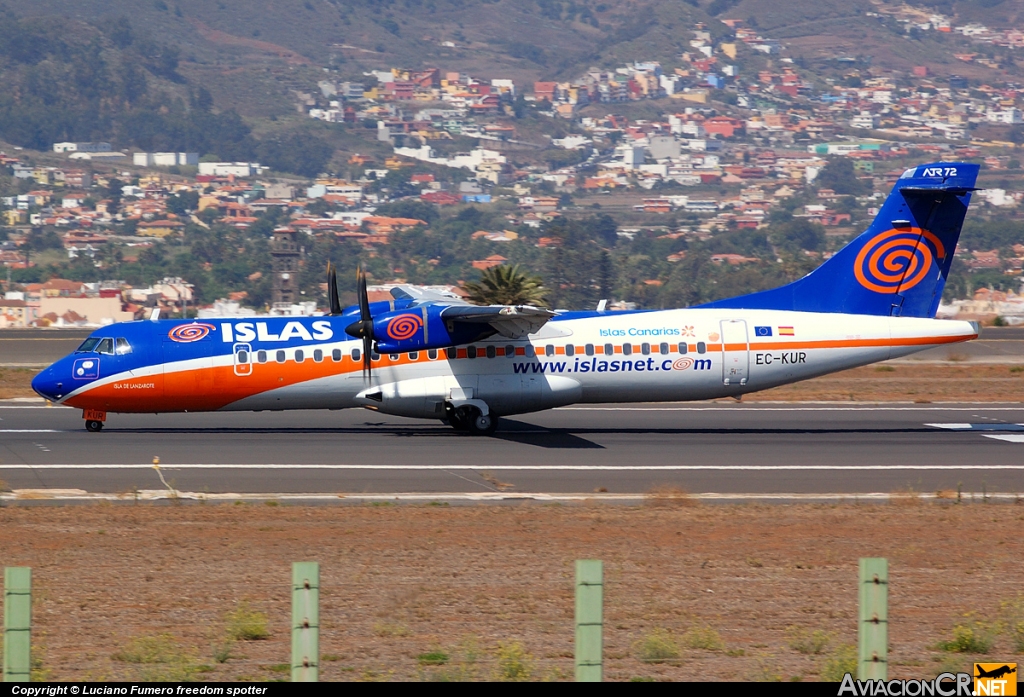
column 971, row 637
column 433, row 658
column 514, row 663
column 658, row 647
column 163, row 659
column 842, row 661
column 808, row 642
column 704, row 637
column 1013, row 612
column 246, row 624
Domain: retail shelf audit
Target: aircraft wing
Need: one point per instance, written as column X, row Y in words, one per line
column 421, row 296
column 510, row 321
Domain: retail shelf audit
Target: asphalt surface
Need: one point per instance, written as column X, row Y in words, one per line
column 699, row 448
column 39, row 347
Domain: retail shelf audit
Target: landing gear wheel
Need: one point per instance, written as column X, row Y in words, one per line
column 484, row 425
column 458, row 419
column 94, row 426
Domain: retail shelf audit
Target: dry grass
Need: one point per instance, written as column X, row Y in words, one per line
column 908, row 382
column 403, row 581
column 16, row 382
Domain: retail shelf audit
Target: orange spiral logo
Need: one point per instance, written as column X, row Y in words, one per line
column 187, row 333
column 682, row 363
column 897, row 260
column 404, row 327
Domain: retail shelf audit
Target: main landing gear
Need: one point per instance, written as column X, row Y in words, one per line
column 93, row 426
column 471, row 419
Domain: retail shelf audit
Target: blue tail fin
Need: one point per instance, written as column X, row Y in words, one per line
column 898, row 266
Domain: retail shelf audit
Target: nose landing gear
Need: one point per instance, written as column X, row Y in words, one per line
column 471, row 418
column 94, row 419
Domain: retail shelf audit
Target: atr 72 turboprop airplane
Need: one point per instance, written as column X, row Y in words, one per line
column 432, row 356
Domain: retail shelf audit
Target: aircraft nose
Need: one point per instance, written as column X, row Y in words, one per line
column 48, row 384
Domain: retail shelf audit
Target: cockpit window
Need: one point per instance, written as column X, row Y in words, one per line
column 88, row 345
column 123, row 346
column 106, row 346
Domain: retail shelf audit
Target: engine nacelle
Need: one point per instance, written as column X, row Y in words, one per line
column 421, row 328
column 351, row 313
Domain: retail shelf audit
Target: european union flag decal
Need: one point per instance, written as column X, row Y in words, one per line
column 762, row 331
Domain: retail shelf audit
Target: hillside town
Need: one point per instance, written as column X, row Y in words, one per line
column 733, row 144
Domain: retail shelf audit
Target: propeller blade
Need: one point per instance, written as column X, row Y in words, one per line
column 367, row 348
column 364, row 301
column 364, row 327
column 332, row 289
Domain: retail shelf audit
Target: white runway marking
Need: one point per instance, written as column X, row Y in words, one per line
column 530, row 468
column 979, row 427
column 1009, row 437
column 477, row 497
column 30, row 430
column 742, row 408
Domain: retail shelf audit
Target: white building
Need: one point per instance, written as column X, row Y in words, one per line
column 81, row 147
column 164, row 159
column 864, row 119
column 1011, row 115
column 227, row 169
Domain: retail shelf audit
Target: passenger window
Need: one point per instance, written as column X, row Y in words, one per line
column 281, row 357
column 451, row 353
column 589, row 348
column 549, row 350
column 471, row 352
column 356, row 354
column 336, row 355
column 627, row 349
column 492, row 351
column 645, row 349
column 609, row 349
column 106, row 346
column 570, row 350
column 374, row 356
column 530, row 351
column 393, row 356
column 261, row 356
column 683, row 347
column 663, row 349
column 414, row 356
column 432, row 354
column 300, row 355
column 702, row 347
column 318, row 355
column 123, row 347
column 243, row 356
column 510, row 351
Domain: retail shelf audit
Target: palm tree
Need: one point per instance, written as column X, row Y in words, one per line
column 506, row 285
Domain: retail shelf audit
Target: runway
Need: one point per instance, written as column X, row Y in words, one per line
column 716, row 448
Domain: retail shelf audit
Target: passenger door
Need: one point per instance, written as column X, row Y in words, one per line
column 243, row 359
column 735, row 352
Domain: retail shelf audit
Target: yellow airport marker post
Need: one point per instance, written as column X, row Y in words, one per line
column 305, row 621
column 873, row 622
column 17, row 623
